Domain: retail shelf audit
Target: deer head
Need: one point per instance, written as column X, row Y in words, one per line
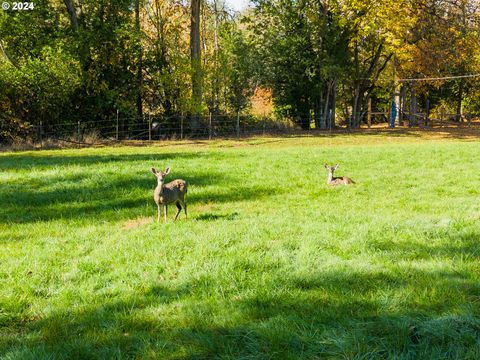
column 161, row 175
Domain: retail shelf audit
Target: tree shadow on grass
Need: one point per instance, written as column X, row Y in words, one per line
column 332, row 313
column 114, row 198
column 458, row 245
column 214, row 217
column 36, row 160
column 105, row 196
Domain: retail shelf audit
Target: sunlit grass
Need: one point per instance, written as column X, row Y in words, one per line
column 272, row 263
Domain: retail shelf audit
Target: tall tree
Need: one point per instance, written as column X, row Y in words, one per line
column 196, row 61
column 139, row 101
column 72, row 12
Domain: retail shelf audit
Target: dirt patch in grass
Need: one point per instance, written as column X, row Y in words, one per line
column 134, row 223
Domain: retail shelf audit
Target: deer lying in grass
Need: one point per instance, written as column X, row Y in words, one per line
column 172, row 193
column 334, row 181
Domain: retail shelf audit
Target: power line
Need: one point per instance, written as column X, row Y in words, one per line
column 442, row 78
column 429, row 79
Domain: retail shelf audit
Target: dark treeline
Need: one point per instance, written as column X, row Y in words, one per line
column 322, row 61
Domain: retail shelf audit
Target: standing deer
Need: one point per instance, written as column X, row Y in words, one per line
column 334, row 181
column 172, row 193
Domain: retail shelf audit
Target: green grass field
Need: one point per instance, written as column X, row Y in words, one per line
column 271, row 263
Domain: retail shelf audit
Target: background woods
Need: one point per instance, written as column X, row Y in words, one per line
column 320, row 62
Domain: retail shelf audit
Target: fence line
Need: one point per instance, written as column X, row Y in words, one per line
column 153, row 127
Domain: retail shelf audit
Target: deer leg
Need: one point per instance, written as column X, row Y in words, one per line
column 179, row 208
column 165, row 212
column 158, row 213
column 185, row 209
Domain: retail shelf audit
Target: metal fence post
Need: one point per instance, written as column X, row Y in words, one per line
column 149, row 127
column 369, row 113
column 79, row 132
column 116, row 132
column 238, row 123
column 40, row 134
column 181, row 126
column 210, row 127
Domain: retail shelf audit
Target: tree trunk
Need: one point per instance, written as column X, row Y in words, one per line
column 333, row 105
column 403, row 101
column 365, row 81
column 356, row 92
column 458, row 116
column 326, row 107
column 413, row 108
column 302, row 114
column 215, row 59
column 397, row 103
column 139, row 61
column 305, row 122
column 72, row 13
column 396, row 89
column 355, row 108
column 427, row 111
column 195, row 55
column 4, row 52
column 369, row 113
column 318, row 111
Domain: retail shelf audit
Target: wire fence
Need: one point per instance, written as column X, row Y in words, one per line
column 422, row 119
column 151, row 127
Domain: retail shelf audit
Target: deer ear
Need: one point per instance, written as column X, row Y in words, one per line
column 325, row 166
column 167, row 171
column 336, row 166
column 154, row 171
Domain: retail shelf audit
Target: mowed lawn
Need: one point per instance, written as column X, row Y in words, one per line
column 271, row 264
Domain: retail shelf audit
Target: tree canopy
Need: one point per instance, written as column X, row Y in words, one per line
column 323, row 60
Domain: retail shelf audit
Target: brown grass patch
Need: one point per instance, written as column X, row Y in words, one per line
column 134, row 223
column 200, row 208
column 378, row 134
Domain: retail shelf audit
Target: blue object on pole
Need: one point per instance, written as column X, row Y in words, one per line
column 393, row 114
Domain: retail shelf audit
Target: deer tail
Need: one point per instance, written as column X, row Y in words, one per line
column 183, row 186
